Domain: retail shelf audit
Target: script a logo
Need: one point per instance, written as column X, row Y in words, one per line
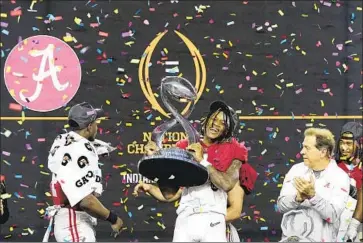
column 144, row 79
column 42, row 73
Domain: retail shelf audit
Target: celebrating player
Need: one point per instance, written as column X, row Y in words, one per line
column 349, row 158
column 202, row 211
column 76, row 180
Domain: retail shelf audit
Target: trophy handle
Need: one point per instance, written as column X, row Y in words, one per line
column 176, row 88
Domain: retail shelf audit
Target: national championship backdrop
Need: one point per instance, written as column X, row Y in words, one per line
column 283, row 65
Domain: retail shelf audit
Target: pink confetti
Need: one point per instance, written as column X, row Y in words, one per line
column 6, row 153
column 339, row 47
column 287, row 139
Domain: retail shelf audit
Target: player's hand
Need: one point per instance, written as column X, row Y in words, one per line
column 116, row 228
column 150, row 148
column 196, row 150
column 141, row 187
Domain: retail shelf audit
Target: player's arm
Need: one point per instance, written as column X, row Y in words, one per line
column 358, row 213
column 225, row 180
column 156, row 193
column 235, row 202
column 94, row 207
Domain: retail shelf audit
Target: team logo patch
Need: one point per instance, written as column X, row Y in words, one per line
column 42, row 73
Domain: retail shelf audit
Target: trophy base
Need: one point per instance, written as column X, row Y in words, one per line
column 173, row 167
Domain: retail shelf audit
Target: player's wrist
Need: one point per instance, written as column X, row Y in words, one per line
column 112, row 218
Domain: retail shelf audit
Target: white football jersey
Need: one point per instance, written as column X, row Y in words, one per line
column 204, row 198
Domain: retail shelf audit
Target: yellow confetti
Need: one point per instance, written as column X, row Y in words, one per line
column 23, row 158
column 32, row 5
column 129, row 43
column 303, row 52
column 67, row 38
column 297, row 48
column 189, row 17
column 11, row 229
column 254, row 73
column 262, row 219
column 41, row 211
column 77, row 20
column 4, row 15
column 48, row 194
column 159, row 214
column 279, row 185
column 356, row 59
column 135, row 61
column 359, row 8
column 322, row 103
column 44, row 173
column 289, row 85
column 281, row 13
column 230, row 43
column 115, row 11
column 277, row 86
column 165, row 50
column 249, row 55
column 128, row 124
column 108, row 102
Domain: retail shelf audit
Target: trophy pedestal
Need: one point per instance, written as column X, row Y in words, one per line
column 173, row 167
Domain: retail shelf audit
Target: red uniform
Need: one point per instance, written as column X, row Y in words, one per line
column 356, row 173
column 221, row 155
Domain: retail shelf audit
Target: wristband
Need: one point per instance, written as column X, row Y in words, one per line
column 112, row 218
column 205, row 163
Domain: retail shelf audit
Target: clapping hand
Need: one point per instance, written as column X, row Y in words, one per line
column 305, row 188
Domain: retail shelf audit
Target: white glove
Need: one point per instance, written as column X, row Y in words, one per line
column 352, row 230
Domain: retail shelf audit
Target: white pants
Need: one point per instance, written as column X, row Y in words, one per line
column 232, row 233
column 200, row 227
column 74, row 226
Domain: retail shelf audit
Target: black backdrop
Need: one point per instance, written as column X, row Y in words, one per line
column 303, row 24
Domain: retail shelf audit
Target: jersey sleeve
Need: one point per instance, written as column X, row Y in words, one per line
column 247, row 177
column 240, row 152
column 78, row 173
